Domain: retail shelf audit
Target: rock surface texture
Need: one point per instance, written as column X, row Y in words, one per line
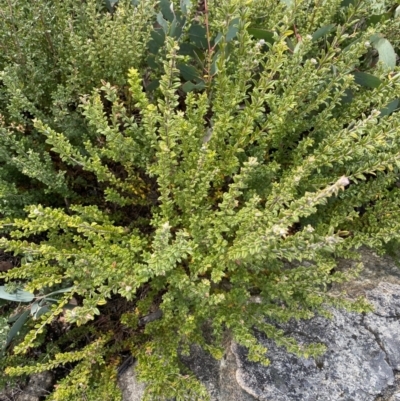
column 362, row 362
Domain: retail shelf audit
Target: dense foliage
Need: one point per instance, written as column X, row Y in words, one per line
column 208, row 161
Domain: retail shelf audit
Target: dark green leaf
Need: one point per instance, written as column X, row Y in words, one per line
column 375, row 37
column 188, row 72
column 61, row 291
column 187, row 49
column 175, row 29
column 158, row 36
column 290, row 44
column 185, row 6
column 151, row 62
column 190, row 86
column 322, row 31
column 346, row 3
column 153, row 47
column 37, row 309
column 259, row 33
column 18, row 296
column 166, row 11
column 153, row 85
column 69, row 306
column 44, row 309
column 110, row 5
column 390, row 108
column 16, row 327
column 217, row 39
column 163, row 23
column 367, row 80
column 14, row 318
column 347, row 97
column 34, row 307
column 233, row 29
column 375, row 19
column 198, row 35
column 214, row 68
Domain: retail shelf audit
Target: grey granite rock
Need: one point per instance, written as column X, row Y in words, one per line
column 363, row 352
column 132, row 389
column 354, row 368
column 219, row 377
column 362, row 362
column 38, row 387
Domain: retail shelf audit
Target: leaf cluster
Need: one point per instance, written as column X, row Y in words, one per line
column 205, row 167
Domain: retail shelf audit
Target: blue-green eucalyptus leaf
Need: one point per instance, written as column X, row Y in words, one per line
column 14, row 318
column 158, row 35
column 34, row 307
column 18, row 296
column 110, row 5
column 190, row 86
column 198, row 35
column 376, row 18
column 151, row 62
column 347, row 96
column 41, row 311
column 233, row 29
column 259, row 33
column 390, row 108
column 346, row 3
column 60, row 291
column 186, row 5
column 175, row 29
column 37, row 309
column 187, row 49
column 153, row 85
column 218, row 39
column 17, row 327
column 214, row 67
column 188, row 72
column 167, row 10
column 69, row 306
column 367, row 80
column 163, row 23
column 322, row 31
column 386, row 52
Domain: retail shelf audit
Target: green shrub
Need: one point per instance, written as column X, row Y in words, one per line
column 227, row 159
